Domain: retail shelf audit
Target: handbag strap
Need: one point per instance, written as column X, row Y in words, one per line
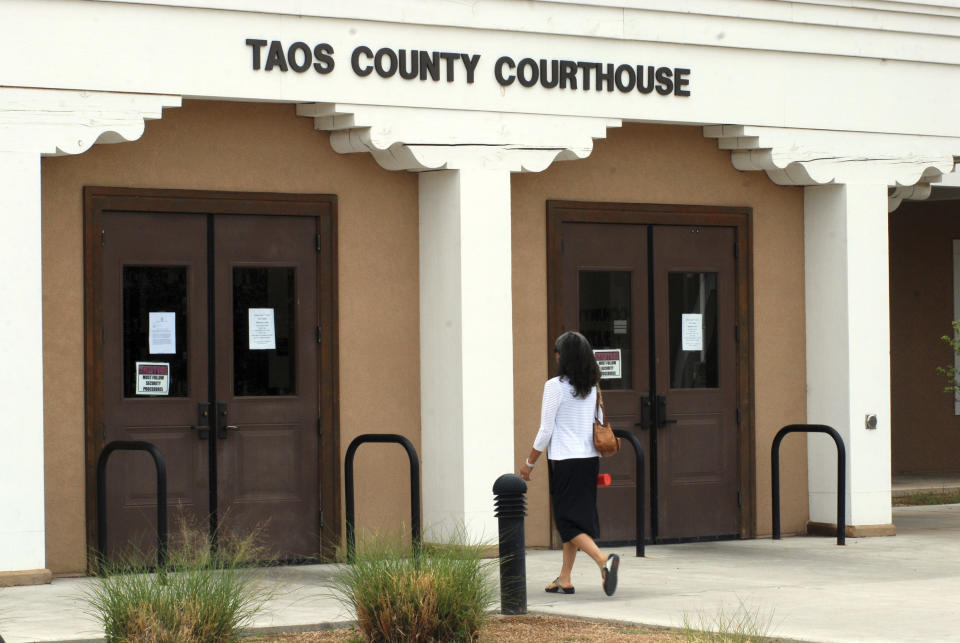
column 599, row 405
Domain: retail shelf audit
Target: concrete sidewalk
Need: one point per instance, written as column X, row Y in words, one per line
column 901, row 588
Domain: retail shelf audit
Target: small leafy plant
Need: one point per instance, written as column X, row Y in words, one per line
column 950, row 371
column 204, row 595
column 438, row 593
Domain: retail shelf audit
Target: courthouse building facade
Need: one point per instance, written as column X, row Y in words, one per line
column 248, row 232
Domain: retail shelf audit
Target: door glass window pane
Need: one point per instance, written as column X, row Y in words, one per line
column 155, row 296
column 605, row 320
column 693, row 330
column 264, row 351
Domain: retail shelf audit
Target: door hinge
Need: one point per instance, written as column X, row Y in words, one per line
column 739, row 416
column 739, row 498
column 736, row 250
column 320, row 517
column 562, row 246
column 319, row 334
column 319, row 427
column 319, row 246
column 103, row 237
column 736, row 333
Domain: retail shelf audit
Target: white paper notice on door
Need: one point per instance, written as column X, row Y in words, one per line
column 163, row 333
column 691, row 332
column 263, row 334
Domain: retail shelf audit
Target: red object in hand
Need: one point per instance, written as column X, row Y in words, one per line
column 603, row 480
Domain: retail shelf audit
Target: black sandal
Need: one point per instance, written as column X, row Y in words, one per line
column 609, row 574
column 556, row 588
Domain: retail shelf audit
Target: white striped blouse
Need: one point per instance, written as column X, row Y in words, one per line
column 566, row 422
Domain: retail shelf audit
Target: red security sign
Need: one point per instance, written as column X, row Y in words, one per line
column 609, row 360
column 153, row 378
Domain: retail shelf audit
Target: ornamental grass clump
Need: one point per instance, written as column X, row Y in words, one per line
column 203, row 596
column 440, row 593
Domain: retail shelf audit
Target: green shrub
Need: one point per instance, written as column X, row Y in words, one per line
column 202, row 596
column 440, row 593
column 742, row 625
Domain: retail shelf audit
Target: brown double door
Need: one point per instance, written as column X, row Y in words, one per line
column 210, row 350
column 658, row 305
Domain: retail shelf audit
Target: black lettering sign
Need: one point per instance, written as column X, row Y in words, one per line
column 626, row 85
column 442, row 66
column 664, row 81
column 324, row 55
column 503, row 61
column 362, row 50
column 470, row 65
column 528, row 73
column 256, row 45
column 385, row 70
column 680, row 81
column 299, row 66
column 275, row 57
column 409, row 71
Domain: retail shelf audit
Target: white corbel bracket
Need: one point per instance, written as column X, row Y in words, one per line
column 907, row 164
column 419, row 139
column 54, row 122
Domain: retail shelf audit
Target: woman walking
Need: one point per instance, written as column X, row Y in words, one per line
column 566, row 432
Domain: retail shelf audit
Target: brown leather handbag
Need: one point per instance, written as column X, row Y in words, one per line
column 603, row 438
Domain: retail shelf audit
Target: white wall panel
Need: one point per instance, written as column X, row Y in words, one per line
column 21, row 367
column 202, row 53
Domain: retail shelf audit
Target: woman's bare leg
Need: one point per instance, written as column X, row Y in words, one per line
column 569, row 554
column 589, row 547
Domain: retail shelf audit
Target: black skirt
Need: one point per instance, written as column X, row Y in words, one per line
column 573, row 490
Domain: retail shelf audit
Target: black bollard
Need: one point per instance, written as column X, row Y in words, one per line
column 511, row 507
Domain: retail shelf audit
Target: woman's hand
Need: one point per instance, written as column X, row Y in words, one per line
column 525, row 472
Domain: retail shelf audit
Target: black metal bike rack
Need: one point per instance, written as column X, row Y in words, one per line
column 414, row 485
column 158, row 461
column 841, row 474
column 641, row 487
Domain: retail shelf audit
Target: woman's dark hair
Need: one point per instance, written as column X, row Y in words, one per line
column 577, row 364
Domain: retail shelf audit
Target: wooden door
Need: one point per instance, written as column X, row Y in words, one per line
column 659, row 303
column 694, row 324
column 605, row 298
column 154, row 312
column 266, row 321
column 205, row 317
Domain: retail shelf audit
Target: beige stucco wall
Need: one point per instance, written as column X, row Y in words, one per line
column 245, row 147
column 660, row 164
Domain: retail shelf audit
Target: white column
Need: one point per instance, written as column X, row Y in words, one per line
column 848, row 347
column 21, row 365
column 466, row 347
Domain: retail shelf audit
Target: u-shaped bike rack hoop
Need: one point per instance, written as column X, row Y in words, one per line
column 158, row 461
column 641, row 488
column 414, row 485
column 841, row 474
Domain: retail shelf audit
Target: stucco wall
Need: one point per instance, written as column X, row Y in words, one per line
column 925, row 433
column 245, row 147
column 662, row 164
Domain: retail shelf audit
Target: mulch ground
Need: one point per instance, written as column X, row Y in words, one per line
column 529, row 629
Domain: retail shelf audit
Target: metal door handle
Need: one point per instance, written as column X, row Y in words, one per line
column 662, row 420
column 202, row 427
column 222, row 425
column 645, row 411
